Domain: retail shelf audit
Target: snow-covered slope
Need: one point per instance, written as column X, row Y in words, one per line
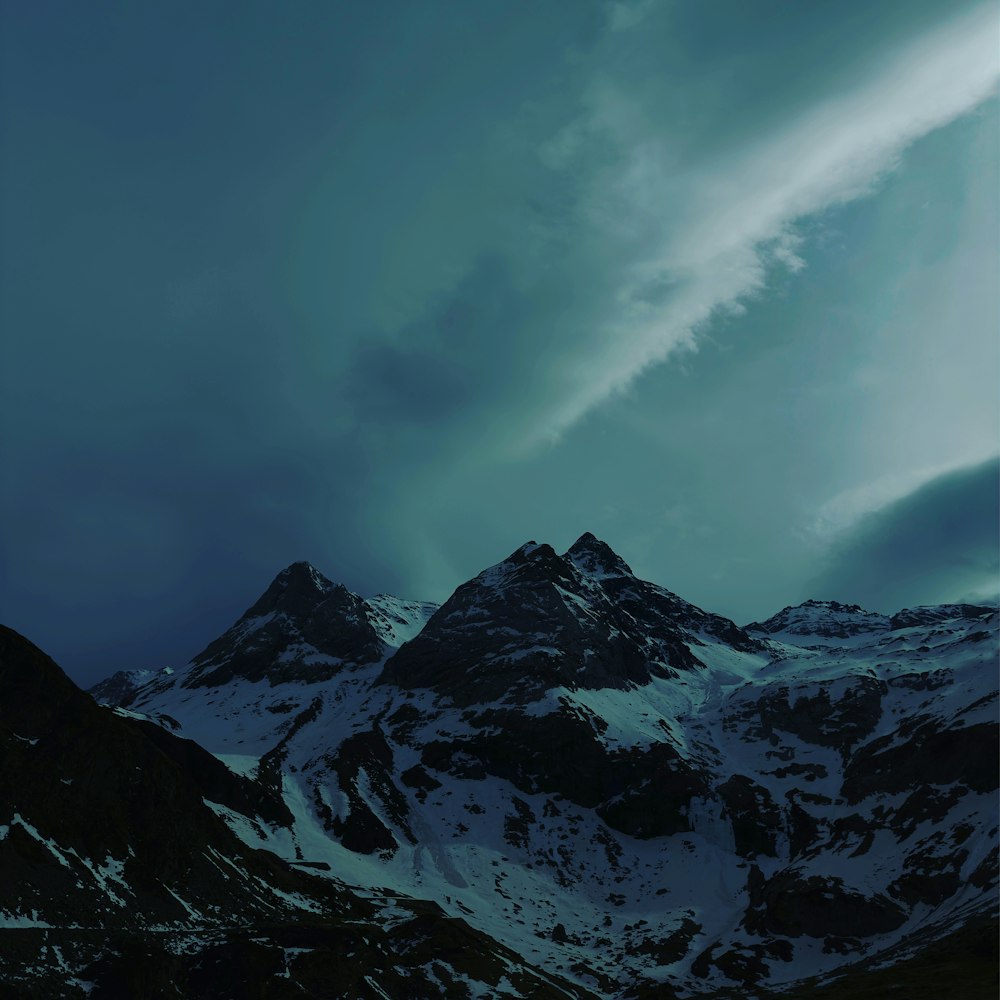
column 118, row 879
column 395, row 620
column 616, row 784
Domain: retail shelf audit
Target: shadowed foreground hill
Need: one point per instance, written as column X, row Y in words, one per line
column 118, row 879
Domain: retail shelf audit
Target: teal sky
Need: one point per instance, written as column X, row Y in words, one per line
column 395, row 287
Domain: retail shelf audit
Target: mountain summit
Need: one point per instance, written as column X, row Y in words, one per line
column 303, row 627
column 596, row 558
column 538, row 620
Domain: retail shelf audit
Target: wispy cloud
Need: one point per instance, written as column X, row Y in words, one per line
column 699, row 238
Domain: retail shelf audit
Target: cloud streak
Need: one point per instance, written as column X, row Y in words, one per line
column 935, row 545
column 701, row 238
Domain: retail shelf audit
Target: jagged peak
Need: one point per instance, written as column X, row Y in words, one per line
column 589, row 556
column 531, row 550
column 594, row 557
column 303, row 572
column 297, row 586
column 532, row 559
column 854, row 609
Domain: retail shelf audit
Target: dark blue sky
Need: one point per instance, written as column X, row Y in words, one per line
column 394, row 287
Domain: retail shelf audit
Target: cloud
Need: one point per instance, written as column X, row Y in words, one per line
column 841, row 513
column 712, row 231
column 456, row 363
column 938, row 544
column 623, row 15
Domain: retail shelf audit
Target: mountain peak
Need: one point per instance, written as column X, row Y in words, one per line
column 528, row 561
column 822, row 620
column 303, row 627
column 299, row 568
column 596, row 558
column 527, row 551
column 294, row 589
column 303, row 574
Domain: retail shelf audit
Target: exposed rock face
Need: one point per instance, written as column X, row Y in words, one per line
column 924, row 617
column 791, row 904
column 303, row 628
column 918, row 754
column 361, row 829
column 120, row 688
column 538, row 620
column 840, row 718
column 84, row 801
column 643, row 792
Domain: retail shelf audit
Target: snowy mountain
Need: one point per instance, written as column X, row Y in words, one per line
column 577, row 767
column 118, row 879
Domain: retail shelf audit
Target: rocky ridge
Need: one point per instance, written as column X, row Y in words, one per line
column 632, row 793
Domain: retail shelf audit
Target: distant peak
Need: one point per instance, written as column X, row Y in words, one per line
column 596, row 558
column 829, row 619
column 854, row 609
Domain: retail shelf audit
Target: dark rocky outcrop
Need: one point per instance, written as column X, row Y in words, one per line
column 119, row 689
column 303, row 628
column 922, row 617
column 538, row 620
column 644, row 791
column 926, row 755
column 361, row 830
column 754, row 814
column 791, row 904
column 83, row 791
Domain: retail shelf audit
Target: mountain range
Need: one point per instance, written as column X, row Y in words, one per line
column 565, row 781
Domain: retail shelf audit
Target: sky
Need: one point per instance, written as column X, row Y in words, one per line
column 397, row 287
